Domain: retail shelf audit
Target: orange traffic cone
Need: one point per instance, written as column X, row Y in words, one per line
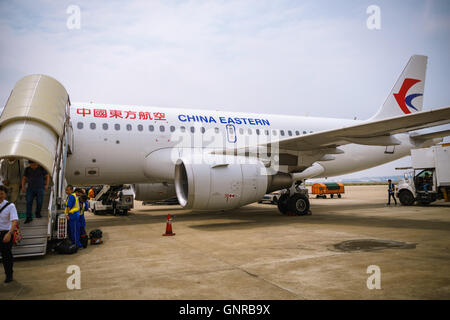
column 169, row 227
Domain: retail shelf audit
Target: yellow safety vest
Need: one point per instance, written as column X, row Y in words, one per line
column 75, row 208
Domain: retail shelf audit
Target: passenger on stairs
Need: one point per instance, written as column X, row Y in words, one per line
column 37, row 179
column 72, row 215
column 11, row 171
column 8, row 223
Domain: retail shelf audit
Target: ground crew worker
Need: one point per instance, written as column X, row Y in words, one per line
column 11, row 171
column 84, row 205
column 72, row 215
column 391, row 191
column 91, row 193
column 427, row 182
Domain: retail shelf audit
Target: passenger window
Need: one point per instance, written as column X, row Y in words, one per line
column 80, row 125
column 129, row 127
column 266, row 132
column 105, row 126
column 257, row 132
column 289, row 132
column 117, row 126
column 274, row 132
column 92, row 126
column 282, row 132
column 151, row 128
column 216, row 130
column 172, row 128
column 202, row 129
column 192, row 129
column 183, row 129
column 249, row 132
column 140, row 127
column 297, row 133
column 162, row 128
column 241, row 131
column 304, row 132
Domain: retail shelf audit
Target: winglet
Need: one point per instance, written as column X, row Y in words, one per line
column 407, row 94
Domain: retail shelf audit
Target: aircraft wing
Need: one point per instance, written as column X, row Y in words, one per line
column 377, row 132
column 431, row 135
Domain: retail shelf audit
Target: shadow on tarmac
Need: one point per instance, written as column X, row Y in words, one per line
column 260, row 217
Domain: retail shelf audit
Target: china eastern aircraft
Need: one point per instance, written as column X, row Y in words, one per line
column 220, row 160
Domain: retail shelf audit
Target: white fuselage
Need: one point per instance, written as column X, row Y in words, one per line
column 111, row 143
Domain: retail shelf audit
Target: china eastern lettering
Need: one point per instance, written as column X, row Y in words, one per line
column 121, row 114
column 223, row 120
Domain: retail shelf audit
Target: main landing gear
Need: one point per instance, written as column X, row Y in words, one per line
column 294, row 202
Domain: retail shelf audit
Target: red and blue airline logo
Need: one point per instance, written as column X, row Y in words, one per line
column 404, row 101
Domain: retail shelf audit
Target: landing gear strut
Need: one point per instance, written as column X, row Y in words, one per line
column 294, row 201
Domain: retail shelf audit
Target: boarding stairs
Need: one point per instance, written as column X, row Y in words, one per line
column 38, row 112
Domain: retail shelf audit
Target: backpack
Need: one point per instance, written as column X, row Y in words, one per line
column 84, row 240
column 96, row 236
column 66, row 247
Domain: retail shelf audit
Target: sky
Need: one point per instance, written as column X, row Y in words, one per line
column 315, row 58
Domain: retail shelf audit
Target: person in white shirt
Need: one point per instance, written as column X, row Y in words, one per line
column 8, row 223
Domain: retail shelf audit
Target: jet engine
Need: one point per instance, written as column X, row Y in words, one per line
column 219, row 182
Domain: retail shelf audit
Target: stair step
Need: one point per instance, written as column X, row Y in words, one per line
column 27, row 236
column 22, row 255
column 34, row 232
column 32, row 241
column 34, row 223
column 29, row 250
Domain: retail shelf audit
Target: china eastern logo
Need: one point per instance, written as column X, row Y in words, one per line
column 404, row 101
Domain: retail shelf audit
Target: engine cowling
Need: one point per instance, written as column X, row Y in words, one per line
column 219, row 182
column 153, row 191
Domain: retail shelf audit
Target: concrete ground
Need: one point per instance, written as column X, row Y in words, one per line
column 253, row 253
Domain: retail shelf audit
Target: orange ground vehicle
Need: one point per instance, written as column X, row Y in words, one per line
column 322, row 189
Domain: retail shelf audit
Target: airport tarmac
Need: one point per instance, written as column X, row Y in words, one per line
column 254, row 253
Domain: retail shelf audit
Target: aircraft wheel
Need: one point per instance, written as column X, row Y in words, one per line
column 283, row 203
column 406, row 198
column 298, row 204
column 331, row 196
column 339, row 196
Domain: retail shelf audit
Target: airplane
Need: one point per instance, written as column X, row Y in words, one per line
column 220, row 160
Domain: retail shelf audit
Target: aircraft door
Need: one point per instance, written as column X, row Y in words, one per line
column 231, row 133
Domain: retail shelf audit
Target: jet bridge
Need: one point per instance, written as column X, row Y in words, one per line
column 35, row 125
